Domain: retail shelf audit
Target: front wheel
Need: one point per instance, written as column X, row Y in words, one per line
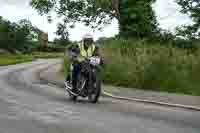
column 72, row 97
column 68, row 85
column 94, row 97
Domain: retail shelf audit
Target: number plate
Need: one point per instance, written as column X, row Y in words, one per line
column 95, row 61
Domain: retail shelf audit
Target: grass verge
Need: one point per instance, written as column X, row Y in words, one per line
column 138, row 64
column 10, row 59
column 156, row 67
column 47, row 55
column 14, row 59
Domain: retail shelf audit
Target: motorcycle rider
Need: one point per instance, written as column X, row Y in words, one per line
column 77, row 55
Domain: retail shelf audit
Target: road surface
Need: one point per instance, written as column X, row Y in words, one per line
column 29, row 106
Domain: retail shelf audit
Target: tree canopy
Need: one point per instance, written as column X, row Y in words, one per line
column 16, row 36
column 191, row 8
column 136, row 18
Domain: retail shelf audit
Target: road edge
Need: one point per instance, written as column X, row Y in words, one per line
column 194, row 108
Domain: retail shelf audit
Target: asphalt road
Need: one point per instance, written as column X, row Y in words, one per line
column 28, row 105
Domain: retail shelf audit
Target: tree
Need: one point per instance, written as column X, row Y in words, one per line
column 7, row 34
column 136, row 17
column 191, row 8
column 24, row 32
column 63, row 33
column 17, row 36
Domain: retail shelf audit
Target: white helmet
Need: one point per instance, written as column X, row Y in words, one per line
column 87, row 36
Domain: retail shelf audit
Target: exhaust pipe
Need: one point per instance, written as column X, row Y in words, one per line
column 68, row 88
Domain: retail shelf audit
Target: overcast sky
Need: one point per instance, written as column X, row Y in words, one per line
column 167, row 12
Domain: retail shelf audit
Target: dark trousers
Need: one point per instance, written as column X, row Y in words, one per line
column 75, row 72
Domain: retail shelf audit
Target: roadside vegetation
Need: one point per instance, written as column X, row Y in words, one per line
column 141, row 56
column 140, row 64
column 10, row 59
column 14, row 59
column 20, row 42
column 47, row 55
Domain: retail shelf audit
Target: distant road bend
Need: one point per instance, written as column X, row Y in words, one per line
column 28, row 105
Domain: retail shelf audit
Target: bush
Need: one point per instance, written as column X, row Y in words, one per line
column 51, row 49
column 47, row 55
column 65, row 65
column 138, row 64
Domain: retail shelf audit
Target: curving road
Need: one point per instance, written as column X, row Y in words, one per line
column 27, row 105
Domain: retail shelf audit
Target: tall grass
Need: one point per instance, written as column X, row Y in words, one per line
column 142, row 65
column 138, row 64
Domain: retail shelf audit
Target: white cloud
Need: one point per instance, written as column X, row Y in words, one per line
column 169, row 16
column 108, row 31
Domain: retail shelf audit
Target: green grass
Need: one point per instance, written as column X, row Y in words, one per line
column 47, row 55
column 14, row 59
column 10, row 59
column 138, row 64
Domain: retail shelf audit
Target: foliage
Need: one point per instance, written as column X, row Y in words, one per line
column 61, row 42
column 53, row 48
column 86, row 11
column 191, row 8
column 65, row 66
column 6, row 36
column 138, row 64
column 17, row 36
column 46, row 55
column 64, row 35
column 136, row 18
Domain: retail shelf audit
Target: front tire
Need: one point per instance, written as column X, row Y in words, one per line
column 94, row 97
column 72, row 97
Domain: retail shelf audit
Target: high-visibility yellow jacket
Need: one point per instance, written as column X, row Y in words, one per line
column 86, row 53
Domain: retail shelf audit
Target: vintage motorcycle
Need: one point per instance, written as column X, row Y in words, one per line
column 89, row 81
